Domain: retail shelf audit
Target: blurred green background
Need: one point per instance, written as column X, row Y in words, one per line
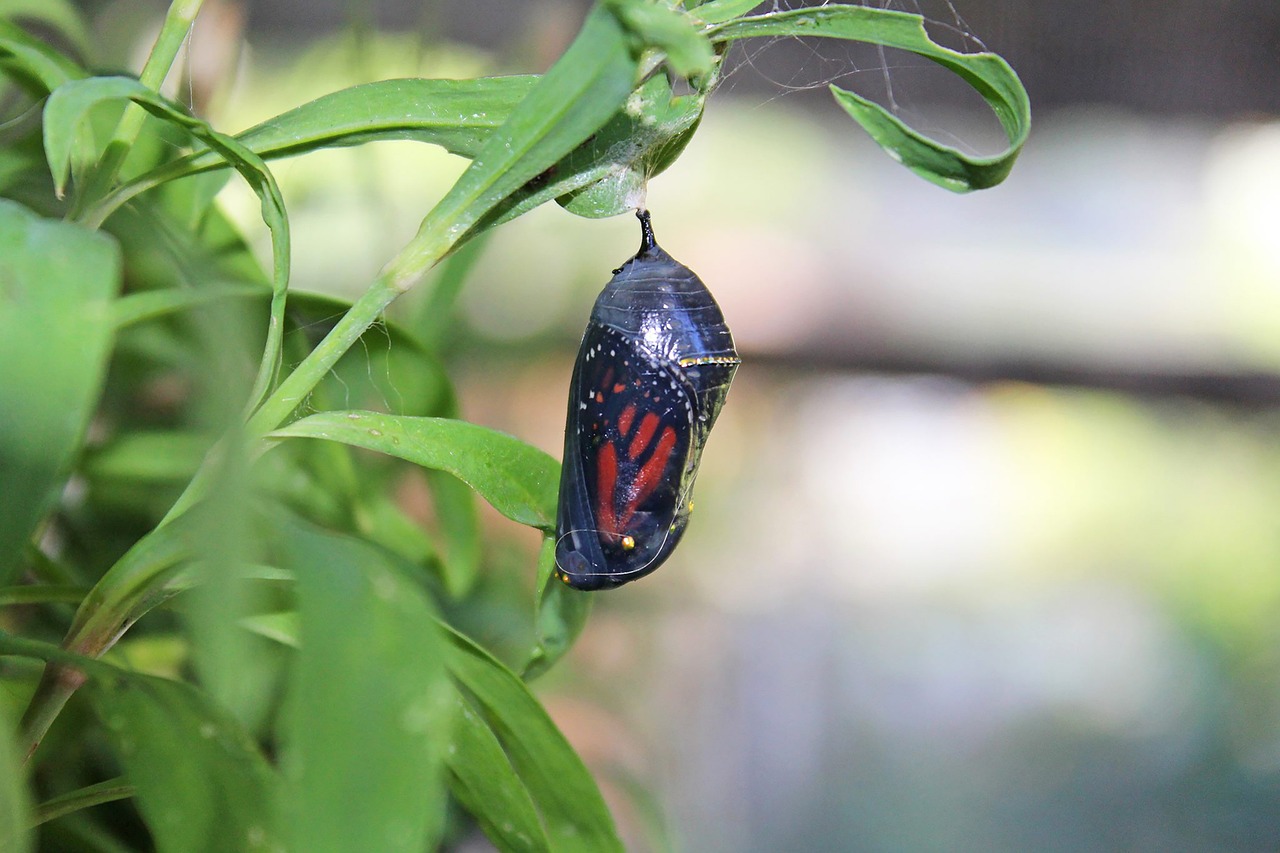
column 986, row 554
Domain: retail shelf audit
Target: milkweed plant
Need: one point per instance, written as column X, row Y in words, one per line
column 212, row 604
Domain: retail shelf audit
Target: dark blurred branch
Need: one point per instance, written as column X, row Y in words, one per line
column 1246, row 389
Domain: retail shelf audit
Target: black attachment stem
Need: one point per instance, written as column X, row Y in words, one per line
column 647, row 241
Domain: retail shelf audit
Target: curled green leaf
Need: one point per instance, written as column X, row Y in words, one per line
column 987, row 73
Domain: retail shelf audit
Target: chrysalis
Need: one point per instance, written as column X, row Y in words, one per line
column 652, row 373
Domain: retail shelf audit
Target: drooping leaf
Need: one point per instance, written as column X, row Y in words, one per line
column 56, row 287
column 483, row 780
column 202, row 784
column 987, row 73
column 573, row 812
column 520, row 481
column 368, row 711
column 560, row 613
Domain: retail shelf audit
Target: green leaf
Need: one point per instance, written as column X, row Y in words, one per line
column 107, row 791
column 201, row 783
column 573, row 99
column 228, row 661
column 671, row 31
column 487, row 786
column 368, row 710
column 40, row 594
column 56, row 286
column 520, row 481
column 59, row 14
column 458, row 115
column 987, row 73
column 149, row 457
column 560, row 614
column 15, row 802
column 573, row 812
column 278, row 627
column 32, row 61
column 455, row 507
column 720, row 11
column 69, row 106
column 137, row 582
column 153, row 304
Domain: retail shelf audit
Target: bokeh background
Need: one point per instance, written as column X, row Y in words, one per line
column 986, row 554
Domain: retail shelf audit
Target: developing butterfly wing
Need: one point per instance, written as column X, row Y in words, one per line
column 627, row 462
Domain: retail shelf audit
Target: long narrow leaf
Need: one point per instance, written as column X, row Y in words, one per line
column 520, row 481
column 671, row 31
column 368, row 712
column 573, row 812
column 55, row 336
column 15, row 802
column 987, row 73
column 573, row 99
column 32, row 61
column 457, row 115
column 483, row 780
column 107, row 791
column 201, row 782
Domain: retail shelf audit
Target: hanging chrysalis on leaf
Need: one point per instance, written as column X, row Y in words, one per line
column 651, row 376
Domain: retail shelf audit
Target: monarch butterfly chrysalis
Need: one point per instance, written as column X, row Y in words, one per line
column 651, row 376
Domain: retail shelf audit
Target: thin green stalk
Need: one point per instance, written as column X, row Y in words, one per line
column 42, row 594
column 362, row 314
column 107, row 791
column 173, row 32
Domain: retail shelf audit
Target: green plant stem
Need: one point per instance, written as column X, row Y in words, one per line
column 106, row 791
column 177, row 23
column 64, row 673
column 422, row 253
